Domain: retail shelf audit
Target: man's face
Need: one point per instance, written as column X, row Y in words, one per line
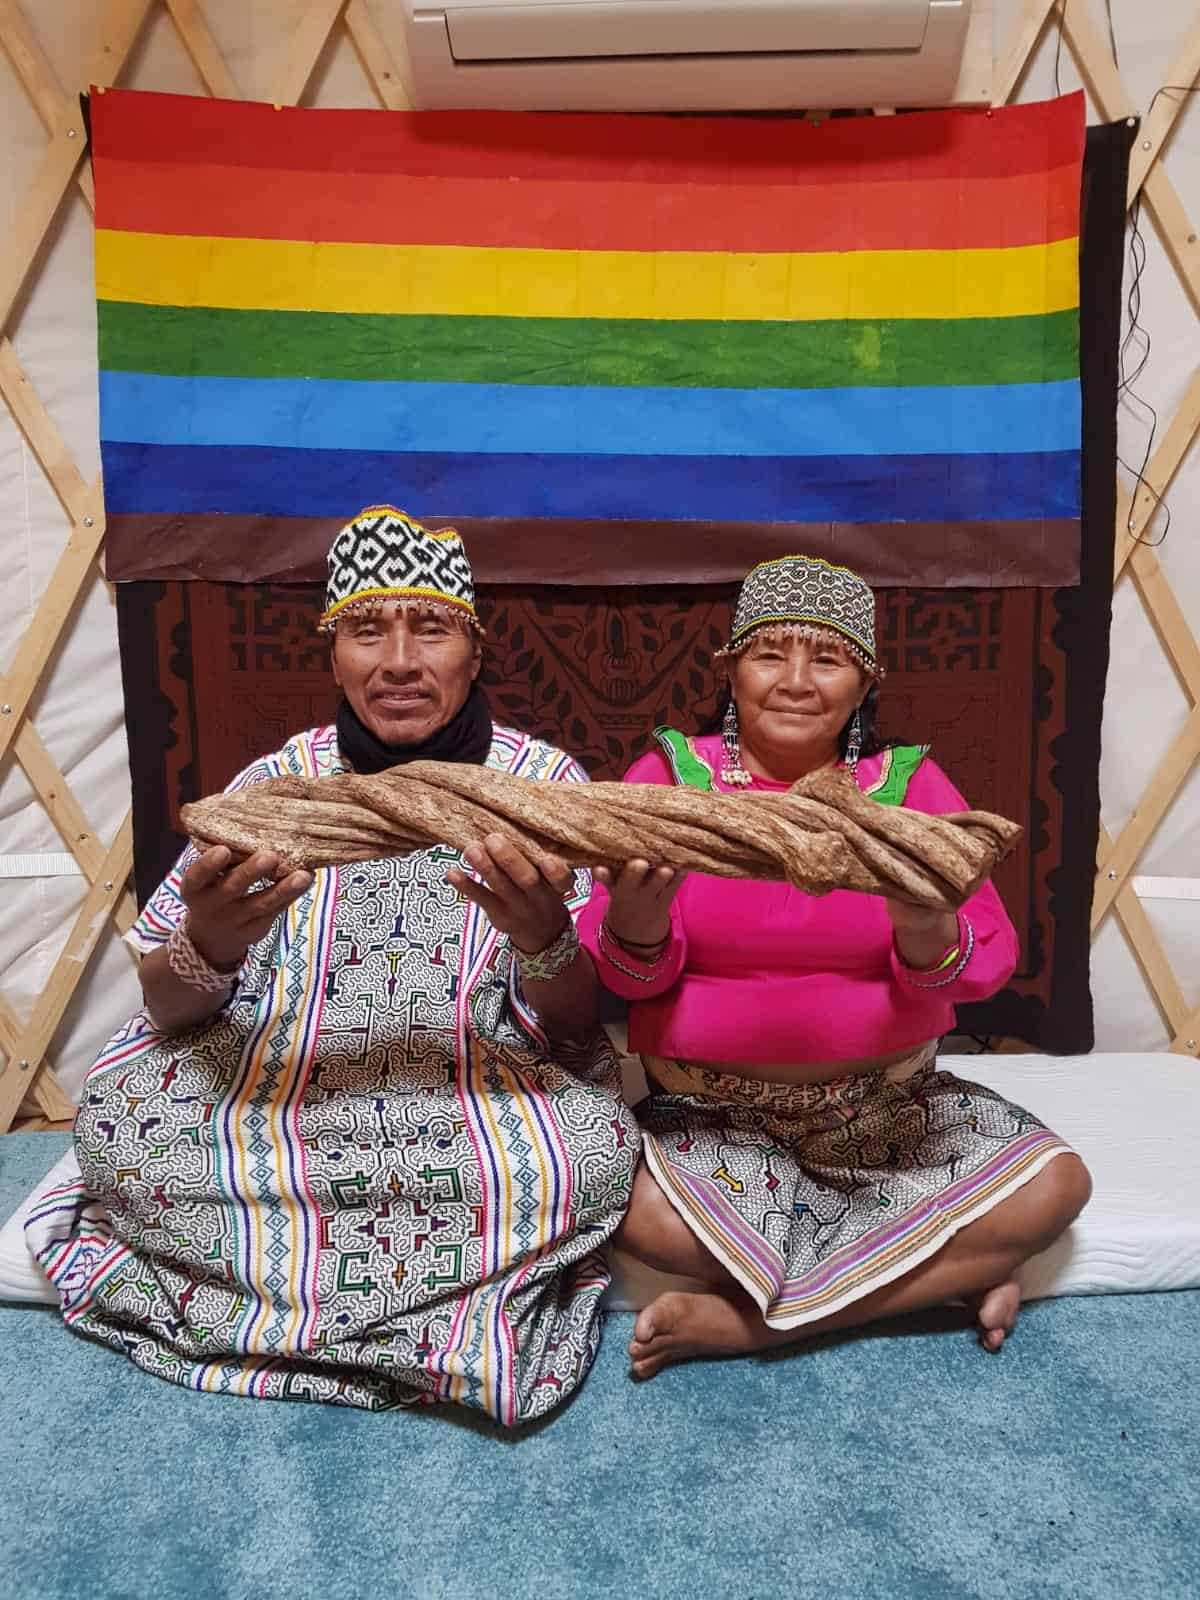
column 405, row 670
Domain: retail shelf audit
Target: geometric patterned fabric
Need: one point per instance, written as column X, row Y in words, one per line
column 369, row 1181
column 812, row 592
column 215, row 671
column 384, row 554
column 955, row 1150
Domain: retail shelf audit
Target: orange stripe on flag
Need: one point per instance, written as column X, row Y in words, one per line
column 395, row 208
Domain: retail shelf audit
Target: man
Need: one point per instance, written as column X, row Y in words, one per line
column 353, row 1149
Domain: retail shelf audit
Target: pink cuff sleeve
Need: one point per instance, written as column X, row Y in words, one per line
column 619, row 971
column 994, row 948
column 942, row 978
column 986, row 957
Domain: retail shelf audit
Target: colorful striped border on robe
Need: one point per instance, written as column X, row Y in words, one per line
column 608, row 348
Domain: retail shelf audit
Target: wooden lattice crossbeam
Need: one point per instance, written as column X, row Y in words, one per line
column 29, row 1048
column 63, row 809
column 1161, row 116
column 24, row 1045
column 383, row 72
column 45, row 1094
column 202, row 47
column 1136, row 512
column 307, row 29
column 1149, row 182
column 1154, row 188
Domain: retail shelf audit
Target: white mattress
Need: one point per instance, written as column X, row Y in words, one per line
column 1135, row 1120
column 20, row 1276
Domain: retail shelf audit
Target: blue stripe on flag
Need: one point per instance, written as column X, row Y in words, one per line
column 186, row 480
column 525, row 419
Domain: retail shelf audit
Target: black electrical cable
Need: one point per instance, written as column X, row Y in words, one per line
column 1135, row 346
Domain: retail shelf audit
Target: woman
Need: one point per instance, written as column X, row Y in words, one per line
column 802, row 1155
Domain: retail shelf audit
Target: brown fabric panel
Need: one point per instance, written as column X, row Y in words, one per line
column 228, row 549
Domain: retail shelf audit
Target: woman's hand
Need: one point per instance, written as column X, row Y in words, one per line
column 639, row 901
column 522, row 896
column 226, row 914
column 922, row 935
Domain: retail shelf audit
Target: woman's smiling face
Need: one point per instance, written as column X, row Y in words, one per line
column 794, row 694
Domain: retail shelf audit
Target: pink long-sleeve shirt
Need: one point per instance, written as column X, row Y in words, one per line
column 762, row 974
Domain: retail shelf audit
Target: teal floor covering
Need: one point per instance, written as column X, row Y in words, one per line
column 903, row 1464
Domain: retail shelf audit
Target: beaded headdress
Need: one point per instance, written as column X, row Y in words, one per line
column 383, row 554
column 807, row 595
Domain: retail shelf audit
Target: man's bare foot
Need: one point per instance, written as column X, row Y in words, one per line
column 996, row 1312
column 678, row 1327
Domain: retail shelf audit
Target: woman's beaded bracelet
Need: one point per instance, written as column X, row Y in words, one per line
column 964, row 950
column 947, row 959
column 610, row 945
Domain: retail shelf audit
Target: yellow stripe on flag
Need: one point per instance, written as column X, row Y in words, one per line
column 457, row 280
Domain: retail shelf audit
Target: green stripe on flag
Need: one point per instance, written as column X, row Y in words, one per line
column 200, row 341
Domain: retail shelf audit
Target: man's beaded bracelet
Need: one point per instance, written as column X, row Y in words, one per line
column 190, row 967
column 543, row 966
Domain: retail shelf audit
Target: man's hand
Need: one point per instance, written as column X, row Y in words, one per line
column 522, row 895
column 226, row 915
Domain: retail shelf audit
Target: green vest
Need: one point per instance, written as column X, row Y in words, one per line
column 690, row 769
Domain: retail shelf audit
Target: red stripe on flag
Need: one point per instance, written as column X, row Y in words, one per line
column 587, row 147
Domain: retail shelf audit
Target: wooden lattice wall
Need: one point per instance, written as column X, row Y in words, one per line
column 28, row 1085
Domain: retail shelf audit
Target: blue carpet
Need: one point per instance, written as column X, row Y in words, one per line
column 902, row 1465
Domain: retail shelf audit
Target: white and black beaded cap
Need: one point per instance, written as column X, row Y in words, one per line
column 811, row 594
column 384, row 554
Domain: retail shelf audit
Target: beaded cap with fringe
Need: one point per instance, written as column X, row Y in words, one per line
column 383, row 554
column 809, row 596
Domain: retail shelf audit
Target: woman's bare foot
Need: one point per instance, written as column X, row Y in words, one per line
column 678, row 1327
column 996, row 1311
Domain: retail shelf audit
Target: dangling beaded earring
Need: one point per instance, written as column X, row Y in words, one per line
column 732, row 770
column 854, row 743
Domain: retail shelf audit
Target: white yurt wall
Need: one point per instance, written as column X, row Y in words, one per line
column 65, row 980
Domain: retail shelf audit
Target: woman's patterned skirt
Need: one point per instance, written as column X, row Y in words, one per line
column 814, row 1195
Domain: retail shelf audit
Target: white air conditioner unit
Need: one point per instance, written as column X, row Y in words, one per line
column 700, row 55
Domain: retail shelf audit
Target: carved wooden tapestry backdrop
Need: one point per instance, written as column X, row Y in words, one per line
column 217, row 673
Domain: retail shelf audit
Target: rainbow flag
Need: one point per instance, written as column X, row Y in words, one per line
column 608, row 348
